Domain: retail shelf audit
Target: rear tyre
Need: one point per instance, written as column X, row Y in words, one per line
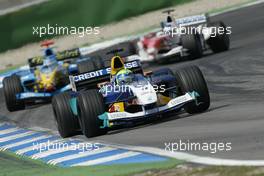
column 90, row 106
column 12, row 86
column 67, row 122
column 193, row 43
column 191, row 79
column 221, row 41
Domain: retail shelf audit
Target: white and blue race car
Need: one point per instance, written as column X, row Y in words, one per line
column 98, row 103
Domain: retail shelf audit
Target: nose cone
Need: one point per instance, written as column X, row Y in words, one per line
column 50, row 89
column 49, row 86
column 145, row 94
column 48, row 82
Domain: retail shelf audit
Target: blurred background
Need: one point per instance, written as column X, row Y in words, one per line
column 16, row 27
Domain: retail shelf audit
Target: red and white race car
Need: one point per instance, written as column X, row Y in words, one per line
column 159, row 47
column 189, row 36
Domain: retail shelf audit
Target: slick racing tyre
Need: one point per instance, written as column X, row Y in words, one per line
column 67, row 122
column 219, row 42
column 90, row 106
column 191, row 79
column 192, row 42
column 12, row 86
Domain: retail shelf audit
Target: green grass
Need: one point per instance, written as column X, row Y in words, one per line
column 13, row 165
column 230, row 171
column 17, row 28
column 208, row 171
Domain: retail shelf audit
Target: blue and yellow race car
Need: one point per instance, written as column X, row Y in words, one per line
column 47, row 76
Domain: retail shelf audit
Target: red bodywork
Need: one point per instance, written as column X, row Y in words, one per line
column 153, row 41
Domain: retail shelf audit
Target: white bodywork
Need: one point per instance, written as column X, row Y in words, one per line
column 199, row 21
column 145, row 94
column 146, row 57
column 171, row 104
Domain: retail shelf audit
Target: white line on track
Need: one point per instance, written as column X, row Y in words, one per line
column 5, row 147
column 54, row 151
column 27, row 149
column 189, row 157
column 107, row 159
column 8, row 138
column 9, row 130
column 79, row 155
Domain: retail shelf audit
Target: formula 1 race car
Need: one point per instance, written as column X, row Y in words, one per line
column 188, row 36
column 47, row 76
column 122, row 95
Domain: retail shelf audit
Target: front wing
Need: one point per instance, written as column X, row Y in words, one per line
column 41, row 95
column 177, row 103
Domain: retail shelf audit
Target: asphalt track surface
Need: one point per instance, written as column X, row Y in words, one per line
column 236, row 82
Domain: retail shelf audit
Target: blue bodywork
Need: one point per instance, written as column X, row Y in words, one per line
column 41, row 95
column 28, row 77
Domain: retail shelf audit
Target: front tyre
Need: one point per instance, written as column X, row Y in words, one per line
column 12, row 86
column 90, row 106
column 191, row 79
column 193, row 43
column 67, row 122
column 219, row 42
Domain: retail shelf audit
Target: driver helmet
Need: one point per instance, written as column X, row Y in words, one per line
column 124, row 76
column 49, row 61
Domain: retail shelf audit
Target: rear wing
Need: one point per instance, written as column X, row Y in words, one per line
column 61, row 56
column 91, row 79
column 193, row 20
